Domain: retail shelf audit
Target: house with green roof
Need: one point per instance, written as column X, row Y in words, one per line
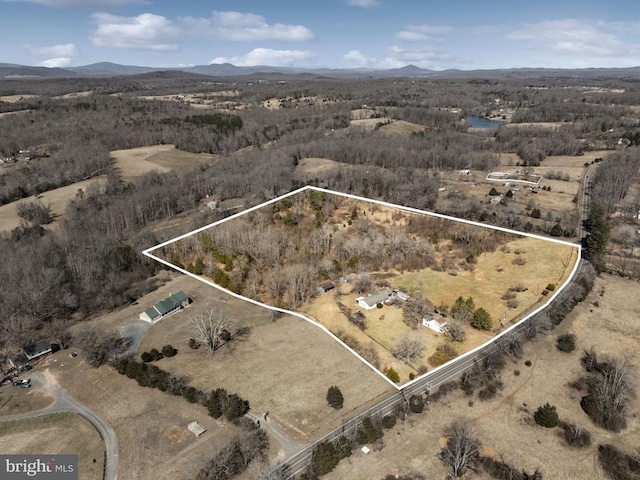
column 165, row 307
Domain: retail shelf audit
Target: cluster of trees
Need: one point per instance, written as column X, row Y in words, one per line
column 154, row 377
column 235, row 457
column 608, row 390
column 98, row 346
column 154, row 354
column 232, row 406
column 464, row 311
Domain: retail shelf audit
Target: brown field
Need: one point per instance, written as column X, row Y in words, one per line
column 16, row 98
column 61, row 433
column 402, row 127
column 283, row 367
column 58, row 199
column 84, row 93
column 6, row 114
column 151, row 426
column 551, row 125
column 134, row 162
column 504, row 425
column 15, row 400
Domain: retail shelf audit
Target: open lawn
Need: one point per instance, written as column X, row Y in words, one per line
column 14, row 400
column 283, row 367
column 61, row 433
column 134, row 162
column 504, row 425
column 57, row 199
column 16, row 98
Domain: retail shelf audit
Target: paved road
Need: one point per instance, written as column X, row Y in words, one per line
column 64, row 403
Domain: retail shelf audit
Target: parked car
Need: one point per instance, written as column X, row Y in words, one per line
column 25, row 385
column 24, row 381
column 5, row 381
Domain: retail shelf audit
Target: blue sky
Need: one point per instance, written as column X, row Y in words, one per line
column 433, row 34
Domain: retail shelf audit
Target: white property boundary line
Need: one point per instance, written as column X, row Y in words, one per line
column 148, row 253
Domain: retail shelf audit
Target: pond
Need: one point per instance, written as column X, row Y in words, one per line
column 476, row 121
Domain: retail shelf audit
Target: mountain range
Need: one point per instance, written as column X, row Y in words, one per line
column 108, row 69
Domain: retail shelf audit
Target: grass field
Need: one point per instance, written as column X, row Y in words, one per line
column 134, row 162
column 62, row 433
column 504, row 425
column 283, row 367
column 57, row 199
column 15, row 400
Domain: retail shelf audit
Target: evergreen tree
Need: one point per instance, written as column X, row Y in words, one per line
column 481, row 320
column 462, row 309
column 217, row 402
column 598, row 236
column 546, row 416
column 334, row 397
column 236, row 407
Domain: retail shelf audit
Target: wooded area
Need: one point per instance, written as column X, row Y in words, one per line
column 89, row 260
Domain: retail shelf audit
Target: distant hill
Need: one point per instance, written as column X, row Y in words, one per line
column 109, row 69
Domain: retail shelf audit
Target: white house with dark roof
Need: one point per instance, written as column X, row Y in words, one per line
column 370, row 302
column 35, row 350
column 166, row 307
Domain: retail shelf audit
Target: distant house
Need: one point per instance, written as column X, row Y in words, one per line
column 325, row 287
column 465, row 172
column 433, row 324
column 370, row 302
column 166, row 307
column 35, row 350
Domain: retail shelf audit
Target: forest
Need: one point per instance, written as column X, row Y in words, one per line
column 88, row 261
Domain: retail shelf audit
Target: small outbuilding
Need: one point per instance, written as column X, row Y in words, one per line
column 165, row 307
column 196, row 428
column 35, row 350
column 325, row 287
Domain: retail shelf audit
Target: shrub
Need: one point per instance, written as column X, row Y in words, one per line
column 169, row 351
column 416, row 403
column 617, row 465
column 551, row 287
column 575, row 435
column 334, row 397
column 528, row 363
column 519, row 261
column 388, row 421
column 146, row 357
column 193, row 343
column 443, row 354
column 566, row 342
column 392, row 375
column 546, row 416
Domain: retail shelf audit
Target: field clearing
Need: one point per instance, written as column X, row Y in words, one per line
column 504, row 425
column 61, row 433
column 402, row 127
column 550, row 125
column 16, row 98
column 57, row 199
column 84, row 93
column 6, row 114
column 370, row 123
column 314, row 165
column 283, row 367
column 134, row 162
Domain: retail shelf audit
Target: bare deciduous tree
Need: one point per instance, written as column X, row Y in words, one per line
column 409, row 347
column 462, row 449
column 213, row 328
column 455, row 331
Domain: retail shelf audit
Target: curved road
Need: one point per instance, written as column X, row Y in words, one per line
column 64, row 403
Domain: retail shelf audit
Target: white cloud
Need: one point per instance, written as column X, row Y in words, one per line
column 364, row 3
column 355, row 57
column 61, row 50
column 266, row 56
column 82, row 3
column 397, row 57
column 245, row 27
column 143, row 32
column 417, row 33
column 574, row 37
column 58, row 62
